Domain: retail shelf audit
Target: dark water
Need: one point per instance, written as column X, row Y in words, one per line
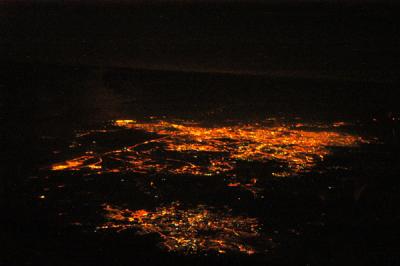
column 341, row 209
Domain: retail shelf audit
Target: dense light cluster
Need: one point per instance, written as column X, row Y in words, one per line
column 190, row 148
column 86, row 161
column 190, row 230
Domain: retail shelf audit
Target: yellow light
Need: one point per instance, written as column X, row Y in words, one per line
column 220, row 147
column 181, row 229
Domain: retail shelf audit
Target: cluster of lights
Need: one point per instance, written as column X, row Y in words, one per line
column 191, row 230
column 186, row 148
column 189, row 148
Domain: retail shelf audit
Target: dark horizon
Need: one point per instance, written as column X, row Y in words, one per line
column 293, row 39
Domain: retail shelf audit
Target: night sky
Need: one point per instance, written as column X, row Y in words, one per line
column 327, row 39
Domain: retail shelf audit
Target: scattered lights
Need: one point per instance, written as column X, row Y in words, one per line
column 281, row 174
column 340, row 124
column 201, row 229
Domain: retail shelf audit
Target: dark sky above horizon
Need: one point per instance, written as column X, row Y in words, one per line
column 287, row 39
